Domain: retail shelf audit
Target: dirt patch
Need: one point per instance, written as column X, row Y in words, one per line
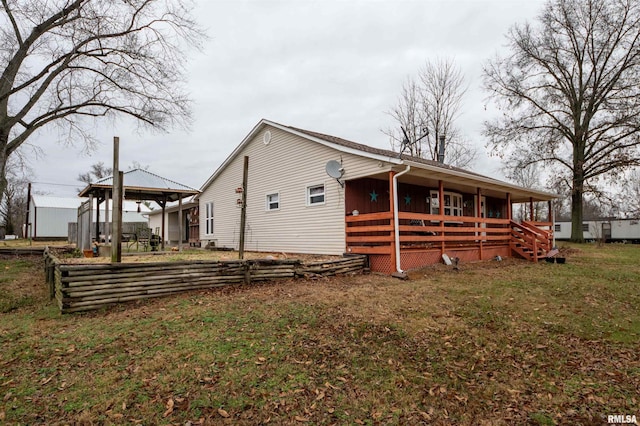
column 568, row 251
column 152, row 257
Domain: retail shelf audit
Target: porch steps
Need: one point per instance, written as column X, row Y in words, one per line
column 529, row 242
column 526, row 252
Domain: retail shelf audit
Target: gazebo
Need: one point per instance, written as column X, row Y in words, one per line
column 141, row 185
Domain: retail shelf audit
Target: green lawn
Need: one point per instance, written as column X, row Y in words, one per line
column 494, row 343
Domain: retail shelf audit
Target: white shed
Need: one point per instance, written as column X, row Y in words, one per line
column 49, row 217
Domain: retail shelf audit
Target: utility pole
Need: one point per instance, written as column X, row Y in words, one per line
column 116, row 228
column 26, row 223
column 243, row 211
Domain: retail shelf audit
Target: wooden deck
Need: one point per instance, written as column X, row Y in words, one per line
column 425, row 237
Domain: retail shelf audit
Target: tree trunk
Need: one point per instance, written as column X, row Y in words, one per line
column 3, row 169
column 577, row 235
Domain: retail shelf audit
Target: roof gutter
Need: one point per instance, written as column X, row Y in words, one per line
column 506, row 186
column 396, row 221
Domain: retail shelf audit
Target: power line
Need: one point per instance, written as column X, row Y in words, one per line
column 57, row 184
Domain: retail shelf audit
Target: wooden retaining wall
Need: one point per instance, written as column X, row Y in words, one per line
column 83, row 287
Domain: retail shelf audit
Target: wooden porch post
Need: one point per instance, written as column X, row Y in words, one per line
column 531, row 209
column 441, row 201
column 392, row 247
column 346, row 228
column 479, row 208
column 550, row 213
column 180, row 224
column 509, row 207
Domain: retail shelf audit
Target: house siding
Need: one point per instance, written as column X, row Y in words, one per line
column 171, row 232
column 287, row 165
column 155, row 222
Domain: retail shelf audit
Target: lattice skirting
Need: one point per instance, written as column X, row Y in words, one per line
column 414, row 259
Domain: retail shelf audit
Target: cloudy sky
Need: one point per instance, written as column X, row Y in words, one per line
column 332, row 66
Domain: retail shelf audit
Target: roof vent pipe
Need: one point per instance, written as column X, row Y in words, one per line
column 441, row 149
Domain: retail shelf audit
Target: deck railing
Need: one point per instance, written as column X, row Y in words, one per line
column 373, row 233
column 370, row 233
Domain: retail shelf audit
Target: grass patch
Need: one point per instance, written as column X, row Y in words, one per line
column 498, row 342
column 16, row 291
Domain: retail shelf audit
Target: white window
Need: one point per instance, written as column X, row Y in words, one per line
column 557, row 228
column 208, row 219
column 315, row 195
column 452, row 203
column 273, row 201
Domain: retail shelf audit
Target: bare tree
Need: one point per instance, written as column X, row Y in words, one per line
column 98, row 171
column 527, row 176
column 427, row 109
column 569, row 94
column 13, row 207
column 630, row 197
column 66, row 61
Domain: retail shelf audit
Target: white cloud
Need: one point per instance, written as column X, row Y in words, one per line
column 329, row 66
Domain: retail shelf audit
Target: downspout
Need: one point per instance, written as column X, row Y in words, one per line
column 396, row 221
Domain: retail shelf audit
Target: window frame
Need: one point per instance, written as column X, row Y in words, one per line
column 309, row 196
column 455, row 203
column 209, row 218
column 268, row 203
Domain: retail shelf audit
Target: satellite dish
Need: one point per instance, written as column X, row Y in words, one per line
column 335, row 170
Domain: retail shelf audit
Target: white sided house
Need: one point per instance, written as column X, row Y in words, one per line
column 172, row 230
column 309, row 192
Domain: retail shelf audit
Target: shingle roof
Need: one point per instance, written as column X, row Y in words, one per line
column 379, row 151
column 438, row 170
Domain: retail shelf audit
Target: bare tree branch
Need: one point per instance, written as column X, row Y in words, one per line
column 427, row 109
column 569, row 94
column 64, row 61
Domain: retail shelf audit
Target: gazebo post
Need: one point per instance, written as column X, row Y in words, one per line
column 106, row 216
column 163, row 204
column 180, row 224
column 90, row 222
column 98, row 219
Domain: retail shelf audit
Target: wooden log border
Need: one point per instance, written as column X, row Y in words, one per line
column 84, row 287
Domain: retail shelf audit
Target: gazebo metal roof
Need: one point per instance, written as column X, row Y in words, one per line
column 142, row 185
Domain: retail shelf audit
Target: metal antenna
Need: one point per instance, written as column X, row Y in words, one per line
column 405, row 142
